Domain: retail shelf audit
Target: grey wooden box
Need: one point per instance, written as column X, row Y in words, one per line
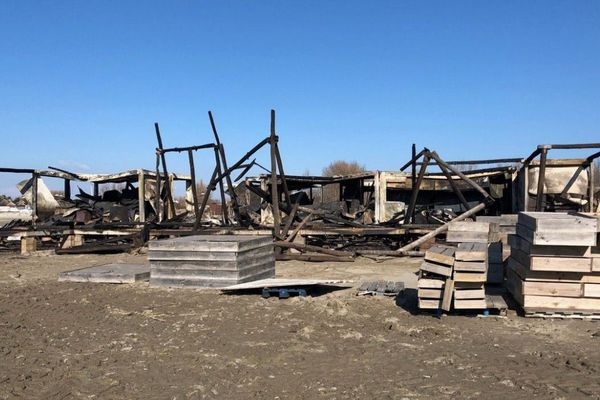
column 210, row 261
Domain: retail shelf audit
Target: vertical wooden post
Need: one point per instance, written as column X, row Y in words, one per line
column 413, row 174
column 274, row 189
column 157, row 191
column 96, row 190
column 232, row 194
column 408, row 217
column 67, row 191
column 592, row 176
column 171, row 211
column 194, row 190
column 34, row 199
column 282, row 174
column 142, row 195
column 224, row 212
column 540, row 200
column 170, row 203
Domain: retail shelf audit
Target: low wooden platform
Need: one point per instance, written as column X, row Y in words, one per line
column 286, row 282
column 108, row 273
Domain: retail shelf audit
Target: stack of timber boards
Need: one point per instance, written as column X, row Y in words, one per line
column 470, row 235
column 453, row 276
column 472, row 232
column 210, row 261
column 507, row 225
column 470, row 275
column 435, row 283
column 554, row 266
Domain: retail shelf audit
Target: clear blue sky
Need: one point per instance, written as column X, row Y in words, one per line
column 82, row 82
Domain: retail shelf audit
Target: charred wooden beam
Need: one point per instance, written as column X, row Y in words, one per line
column 414, row 159
column 274, row 188
column 312, row 258
column 170, row 202
column 194, row 190
column 157, row 189
column 415, row 190
column 465, row 178
column 290, row 219
column 454, row 187
column 34, row 198
column 540, row 200
column 316, row 249
column 234, row 198
column 224, row 212
column 186, row 149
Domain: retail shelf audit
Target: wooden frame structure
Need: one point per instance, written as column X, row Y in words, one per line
column 542, row 151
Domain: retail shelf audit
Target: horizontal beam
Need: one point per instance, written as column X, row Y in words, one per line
column 189, row 148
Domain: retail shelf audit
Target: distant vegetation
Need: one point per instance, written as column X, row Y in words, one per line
column 341, row 167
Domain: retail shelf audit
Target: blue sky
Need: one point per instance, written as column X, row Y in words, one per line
column 82, row 82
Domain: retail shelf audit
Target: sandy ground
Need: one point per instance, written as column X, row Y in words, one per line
column 101, row 341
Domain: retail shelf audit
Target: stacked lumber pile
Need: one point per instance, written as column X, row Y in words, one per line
column 554, row 264
column 507, row 225
column 480, row 237
column 210, row 260
column 470, row 275
column 454, row 277
column 435, row 283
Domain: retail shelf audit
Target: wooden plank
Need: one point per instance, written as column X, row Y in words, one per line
column 429, row 293
column 425, row 283
column 526, row 274
column 495, row 273
column 440, row 255
column 515, row 241
column 471, row 252
column 430, row 304
column 470, row 277
column 285, row 282
column 447, row 296
column 561, row 303
column 443, row 270
column 560, row 289
column 470, row 304
column 466, row 294
column 591, row 290
column 557, row 238
column 468, row 285
column 552, row 264
column 470, row 266
column 557, row 222
column 494, row 252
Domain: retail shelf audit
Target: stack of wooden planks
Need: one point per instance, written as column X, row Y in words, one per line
column 435, row 285
column 507, row 225
column 470, row 275
column 554, row 264
column 210, row 260
column 482, row 240
column 454, row 277
column 472, row 232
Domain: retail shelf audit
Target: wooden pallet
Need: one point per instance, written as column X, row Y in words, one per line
column 560, row 315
